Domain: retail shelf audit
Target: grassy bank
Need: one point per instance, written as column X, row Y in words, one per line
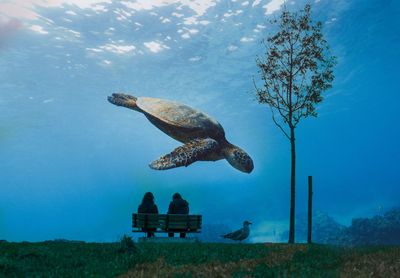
column 77, row 259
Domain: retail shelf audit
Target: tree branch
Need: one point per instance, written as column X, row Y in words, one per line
column 278, row 125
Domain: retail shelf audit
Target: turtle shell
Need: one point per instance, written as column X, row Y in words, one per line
column 179, row 115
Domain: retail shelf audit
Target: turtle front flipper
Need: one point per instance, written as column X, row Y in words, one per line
column 195, row 150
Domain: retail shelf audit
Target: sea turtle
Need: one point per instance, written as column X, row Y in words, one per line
column 202, row 136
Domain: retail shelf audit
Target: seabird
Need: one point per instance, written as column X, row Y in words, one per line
column 240, row 234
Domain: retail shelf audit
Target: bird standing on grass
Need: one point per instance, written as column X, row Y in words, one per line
column 240, row 234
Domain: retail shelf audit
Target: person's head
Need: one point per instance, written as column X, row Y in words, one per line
column 148, row 198
column 176, row 196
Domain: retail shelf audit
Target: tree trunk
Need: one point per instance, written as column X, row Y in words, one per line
column 310, row 193
column 292, row 184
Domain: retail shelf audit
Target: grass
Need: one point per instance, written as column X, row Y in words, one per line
column 128, row 259
column 63, row 259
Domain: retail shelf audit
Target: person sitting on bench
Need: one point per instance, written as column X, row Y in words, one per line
column 148, row 206
column 178, row 206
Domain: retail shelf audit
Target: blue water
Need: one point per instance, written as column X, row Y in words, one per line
column 74, row 166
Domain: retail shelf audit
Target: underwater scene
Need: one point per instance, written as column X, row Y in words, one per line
column 165, row 138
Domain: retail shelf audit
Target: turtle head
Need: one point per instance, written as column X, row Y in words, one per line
column 238, row 158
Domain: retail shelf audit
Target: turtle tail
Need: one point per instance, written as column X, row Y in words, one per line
column 124, row 100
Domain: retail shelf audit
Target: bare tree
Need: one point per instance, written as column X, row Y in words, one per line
column 296, row 69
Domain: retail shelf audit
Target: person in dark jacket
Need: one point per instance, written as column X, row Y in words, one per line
column 148, row 206
column 178, row 206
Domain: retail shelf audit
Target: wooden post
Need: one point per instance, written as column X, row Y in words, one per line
column 310, row 193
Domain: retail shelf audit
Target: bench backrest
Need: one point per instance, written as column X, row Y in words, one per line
column 166, row 221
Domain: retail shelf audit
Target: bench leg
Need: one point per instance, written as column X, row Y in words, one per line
column 150, row 234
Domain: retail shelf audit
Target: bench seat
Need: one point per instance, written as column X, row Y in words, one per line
column 164, row 223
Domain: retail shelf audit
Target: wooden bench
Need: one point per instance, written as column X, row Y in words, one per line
column 166, row 223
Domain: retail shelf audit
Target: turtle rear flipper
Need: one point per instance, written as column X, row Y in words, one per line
column 124, row 100
column 195, row 150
